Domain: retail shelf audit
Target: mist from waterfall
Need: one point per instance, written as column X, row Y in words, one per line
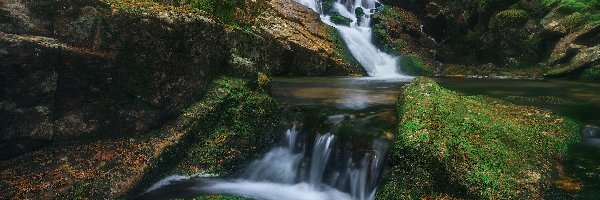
column 358, row 36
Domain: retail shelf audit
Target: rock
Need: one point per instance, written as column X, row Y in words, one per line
column 591, row 135
column 217, row 134
column 312, row 46
column 472, row 147
column 552, row 23
column 29, row 83
column 585, row 58
column 103, row 69
column 563, row 50
column 399, row 32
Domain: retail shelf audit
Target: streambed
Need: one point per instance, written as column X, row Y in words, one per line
column 341, row 128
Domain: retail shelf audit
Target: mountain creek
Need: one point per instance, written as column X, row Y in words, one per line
column 299, row 99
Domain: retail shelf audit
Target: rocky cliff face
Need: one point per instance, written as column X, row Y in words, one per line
column 103, row 92
column 497, row 38
column 96, row 69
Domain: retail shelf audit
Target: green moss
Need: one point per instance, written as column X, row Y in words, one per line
column 574, row 21
column 359, row 12
column 341, row 50
column 388, row 18
column 412, row 65
column 509, row 18
column 471, row 146
column 238, row 122
column 336, row 18
column 327, row 6
column 591, row 74
column 223, row 9
column 572, row 5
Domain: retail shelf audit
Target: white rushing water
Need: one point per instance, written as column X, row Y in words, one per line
column 358, row 36
column 287, row 172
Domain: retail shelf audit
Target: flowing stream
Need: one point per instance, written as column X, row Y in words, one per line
column 330, row 166
column 358, row 35
column 335, row 164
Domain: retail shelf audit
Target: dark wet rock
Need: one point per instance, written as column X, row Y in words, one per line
column 102, row 69
column 223, row 130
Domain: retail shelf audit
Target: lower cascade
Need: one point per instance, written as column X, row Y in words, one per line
column 329, row 168
column 358, row 35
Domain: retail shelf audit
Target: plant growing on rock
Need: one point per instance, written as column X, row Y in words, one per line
column 472, row 147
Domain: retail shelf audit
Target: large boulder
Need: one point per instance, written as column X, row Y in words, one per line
column 450, row 145
column 575, row 52
column 124, row 74
column 101, row 69
column 219, row 133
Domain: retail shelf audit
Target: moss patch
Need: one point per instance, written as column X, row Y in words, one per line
column 412, row 65
column 591, row 74
column 336, row 18
column 239, row 123
column 233, row 122
column 471, row 146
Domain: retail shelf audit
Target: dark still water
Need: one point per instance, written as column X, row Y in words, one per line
column 577, row 100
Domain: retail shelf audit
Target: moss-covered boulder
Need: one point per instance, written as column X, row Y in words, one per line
column 218, row 134
column 471, row 146
column 397, row 31
column 241, row 122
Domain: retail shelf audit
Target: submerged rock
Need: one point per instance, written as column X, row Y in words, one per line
column 591, row 135
column 472, row 147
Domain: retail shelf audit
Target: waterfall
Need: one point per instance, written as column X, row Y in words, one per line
column 320, row 157
column 358, row 35
column 335, row 171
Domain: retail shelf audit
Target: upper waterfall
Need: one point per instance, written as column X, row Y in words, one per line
column 358, row 35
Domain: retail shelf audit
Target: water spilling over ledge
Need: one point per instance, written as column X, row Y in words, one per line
column 307, row 165
column 358, row 35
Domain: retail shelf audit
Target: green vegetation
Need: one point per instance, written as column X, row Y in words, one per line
column 591, row 74
column 413, row 66
column 359, row 12
column 471, row 146
column 336, row 18
column 327, row 6
column 508, row 18
column 572, row 5
column 341, row 50
column 238, row 122
column 223, row 9
column 583, row 11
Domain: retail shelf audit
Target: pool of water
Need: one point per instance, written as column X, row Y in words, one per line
column 578, row 173
column 577, row 100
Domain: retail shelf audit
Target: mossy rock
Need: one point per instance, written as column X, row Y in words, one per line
column 412, row 65
column 471, row 146
column 508, row 18
column 336, row 18
column 239, row 123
